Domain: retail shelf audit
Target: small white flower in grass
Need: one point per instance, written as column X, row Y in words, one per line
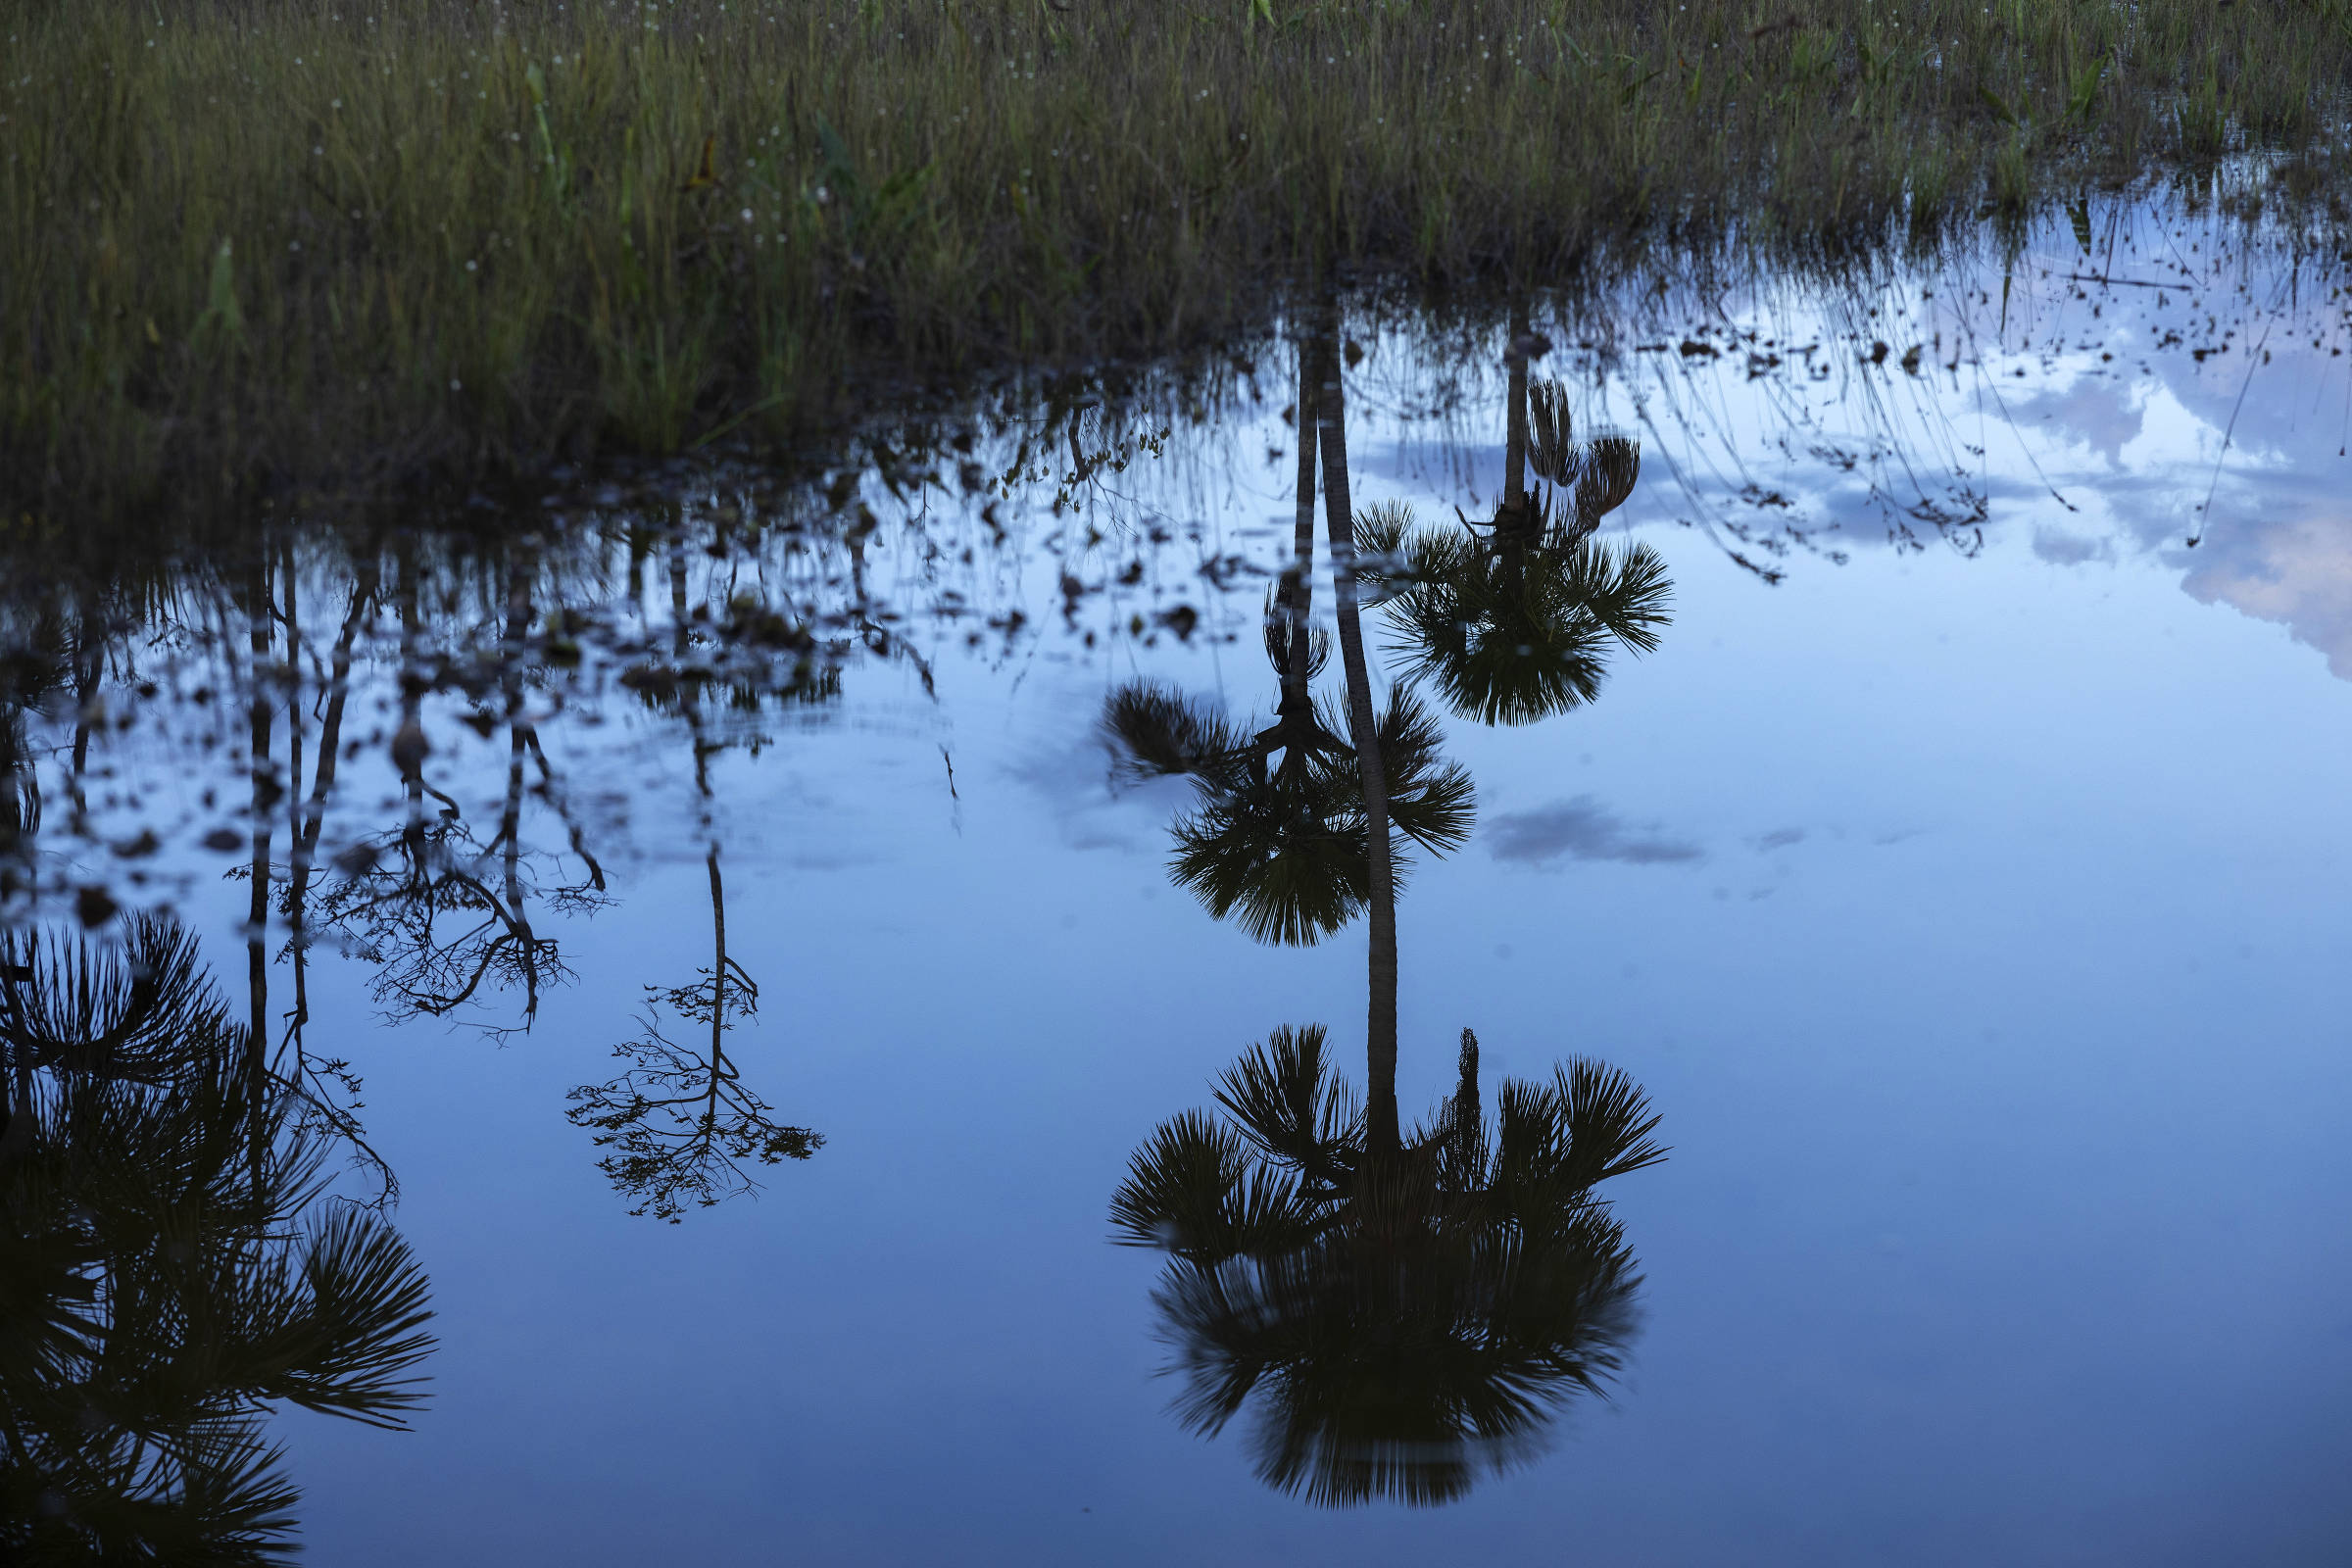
column 318, row 152
column 469, row 266
column 747, row 215
column 455, row 385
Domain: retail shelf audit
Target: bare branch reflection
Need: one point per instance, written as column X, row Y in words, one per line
column 680, row 1126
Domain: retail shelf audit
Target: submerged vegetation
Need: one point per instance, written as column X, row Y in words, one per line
column 356, row 245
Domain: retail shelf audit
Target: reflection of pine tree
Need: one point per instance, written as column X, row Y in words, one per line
column 161, row 1286
column 443, row 919
column 123, row 1014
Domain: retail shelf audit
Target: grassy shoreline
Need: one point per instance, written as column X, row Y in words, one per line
column 361, row 244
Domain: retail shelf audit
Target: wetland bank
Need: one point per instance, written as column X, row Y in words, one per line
column 749, row 925
column 350, row 247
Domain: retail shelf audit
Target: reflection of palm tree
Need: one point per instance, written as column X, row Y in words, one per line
column 1404, row 1323
column 159, row 1290
column 1285, row 848
column 1290, row 847
column 1409, row 1312
column 1513, row 620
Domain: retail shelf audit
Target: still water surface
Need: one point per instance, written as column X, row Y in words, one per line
column 1959, row 874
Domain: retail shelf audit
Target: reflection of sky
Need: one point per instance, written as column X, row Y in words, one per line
column 1977, row 925
column 2104, row 443
column 2002, row 1225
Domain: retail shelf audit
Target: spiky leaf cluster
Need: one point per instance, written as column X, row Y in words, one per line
column 1399, row 1326
column 1285, row 848
column 168, row 1274
column 1508, row 633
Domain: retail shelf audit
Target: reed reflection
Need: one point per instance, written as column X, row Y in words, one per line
column 170, row 1266
column 1401, row 1313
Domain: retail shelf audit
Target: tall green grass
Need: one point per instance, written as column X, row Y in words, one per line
column 359, row 243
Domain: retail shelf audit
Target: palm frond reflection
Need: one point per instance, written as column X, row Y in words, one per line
column 1513, row 618
column 1395, row 1326
column 1280, row 846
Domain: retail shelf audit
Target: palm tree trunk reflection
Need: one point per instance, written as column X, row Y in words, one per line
column 1288, row 851
column 1404, row 1313
column 1338, row 522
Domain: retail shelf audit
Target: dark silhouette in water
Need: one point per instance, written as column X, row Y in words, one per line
column 679, row 1124
column 1407, row 1313
column 1513, row 620
column 168, row 1270
column 1287, row 848
column 31, row 674
column 444, row 915
column 1404, row 1323
column 1282, row 848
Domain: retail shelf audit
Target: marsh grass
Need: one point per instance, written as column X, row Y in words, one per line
column 360, row 243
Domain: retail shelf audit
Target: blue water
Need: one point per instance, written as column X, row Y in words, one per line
column 1971, row 909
